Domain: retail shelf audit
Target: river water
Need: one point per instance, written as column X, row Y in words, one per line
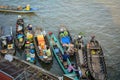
column 93, row 17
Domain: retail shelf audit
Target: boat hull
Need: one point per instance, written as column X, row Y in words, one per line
column 96, row 62
column 40, row 53
column 58, row 56
column 19, row 45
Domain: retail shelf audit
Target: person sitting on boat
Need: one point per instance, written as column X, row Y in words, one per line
column 9, row 39
column 29, row 27
column 79, row 41
column 71, row 67
column 65, row 56
column 48, row 51
column 27, row 8
column 19, row 8
column 20, row 20
column 57, row 51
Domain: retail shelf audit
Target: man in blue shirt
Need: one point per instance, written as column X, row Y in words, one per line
column 65, row 56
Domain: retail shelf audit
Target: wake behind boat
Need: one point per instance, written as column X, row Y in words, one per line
column 19, row 9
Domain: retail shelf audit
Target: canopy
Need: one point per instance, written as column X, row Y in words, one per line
column 41, row 41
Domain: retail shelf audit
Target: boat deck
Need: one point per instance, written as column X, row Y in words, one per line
column 95, row 64
column 22, row 70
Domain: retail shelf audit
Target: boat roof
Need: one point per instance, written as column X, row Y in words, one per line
column 18, row 69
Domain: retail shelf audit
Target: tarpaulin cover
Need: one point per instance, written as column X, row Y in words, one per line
column 65, row 40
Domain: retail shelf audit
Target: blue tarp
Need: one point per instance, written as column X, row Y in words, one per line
column 32, row 51
column 65, row 40
column 20, row 36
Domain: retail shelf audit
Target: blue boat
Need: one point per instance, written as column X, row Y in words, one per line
column 15, row 9
column 54, row 43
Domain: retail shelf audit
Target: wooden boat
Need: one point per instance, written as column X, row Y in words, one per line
column 66, row 40
column 19, row 69
column 19, row 37
column 81, row 56
column 15, row 9
column 29, row 49
column 54, row 43
column 96, row 62
column 7, row 42
column 42, row 46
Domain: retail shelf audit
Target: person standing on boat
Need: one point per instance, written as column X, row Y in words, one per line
column 92, row 38
column 93, row 41
column 79, row 42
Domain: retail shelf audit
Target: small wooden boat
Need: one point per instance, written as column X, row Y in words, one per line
column 66, row 40
column 42, row 46
column 96, row 62
column 54, row 43
column 29, row 49
column 81, row 55
column 7, row 43
column 15, row 9
column 20, row 37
